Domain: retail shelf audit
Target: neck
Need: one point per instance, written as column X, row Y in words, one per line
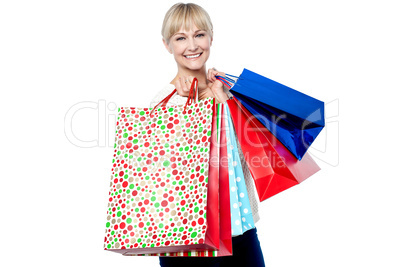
column 200, row 74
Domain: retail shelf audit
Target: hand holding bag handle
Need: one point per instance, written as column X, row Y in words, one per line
column 192, row 96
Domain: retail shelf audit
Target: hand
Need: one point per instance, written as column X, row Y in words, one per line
column 216, row 86
column 183, row 85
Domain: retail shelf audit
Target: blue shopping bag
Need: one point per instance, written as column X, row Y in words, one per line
column 293, row 117
column 240, row 209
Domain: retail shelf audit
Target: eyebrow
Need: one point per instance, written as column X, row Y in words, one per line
column 185, row 34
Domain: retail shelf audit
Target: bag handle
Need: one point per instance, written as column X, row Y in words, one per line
column 226, row 80
column 192, row 96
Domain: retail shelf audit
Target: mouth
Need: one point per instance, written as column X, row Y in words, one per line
column 193, row 56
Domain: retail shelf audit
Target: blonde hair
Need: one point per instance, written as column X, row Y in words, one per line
column 185, row 15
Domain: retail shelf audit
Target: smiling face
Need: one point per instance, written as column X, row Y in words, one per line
column 190, row 48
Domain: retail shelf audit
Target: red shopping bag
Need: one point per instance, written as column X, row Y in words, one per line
column 225, row 245
column 273, row 167
column 164, row 193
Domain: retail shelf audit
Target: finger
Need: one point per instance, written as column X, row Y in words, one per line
column 183, row 83
column 190, row 82
column 179, row 87
column 211, row 76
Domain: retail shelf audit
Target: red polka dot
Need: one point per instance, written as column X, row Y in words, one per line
column 121, row 173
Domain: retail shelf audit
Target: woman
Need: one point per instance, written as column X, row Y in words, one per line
column 187, row 34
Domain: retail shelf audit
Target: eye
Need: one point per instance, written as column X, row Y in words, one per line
column 200, row 35
column 180, row 38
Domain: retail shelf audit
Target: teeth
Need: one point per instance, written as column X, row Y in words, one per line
column 193, row 56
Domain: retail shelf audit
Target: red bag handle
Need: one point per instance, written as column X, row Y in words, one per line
column 192, row 96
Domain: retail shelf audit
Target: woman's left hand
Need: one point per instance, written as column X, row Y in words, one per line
column 216, row 86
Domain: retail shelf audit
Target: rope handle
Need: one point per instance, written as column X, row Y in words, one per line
column 229, row 82
column 192, row 97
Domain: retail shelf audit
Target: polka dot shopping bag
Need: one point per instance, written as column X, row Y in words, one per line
column 240, row 209
column 164, row 193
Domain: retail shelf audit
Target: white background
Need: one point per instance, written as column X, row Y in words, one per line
column 56, row 56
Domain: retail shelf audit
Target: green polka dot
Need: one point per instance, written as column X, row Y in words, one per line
column 194, row 234
column 125, row 135
column 108, row 224
column 118, row 214
column 166, row 163
column 129, row 220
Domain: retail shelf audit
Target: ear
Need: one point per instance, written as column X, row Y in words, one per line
column 167, row 46
column 210, row 43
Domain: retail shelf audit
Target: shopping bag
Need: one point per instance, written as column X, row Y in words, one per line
column 225, row 241
column 164, row 195
column 293, row 117
column 273, row 168
column 241, row 214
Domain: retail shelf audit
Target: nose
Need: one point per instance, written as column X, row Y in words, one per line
column 192, row 45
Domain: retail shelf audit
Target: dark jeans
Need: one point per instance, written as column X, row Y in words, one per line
column 246, row 252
